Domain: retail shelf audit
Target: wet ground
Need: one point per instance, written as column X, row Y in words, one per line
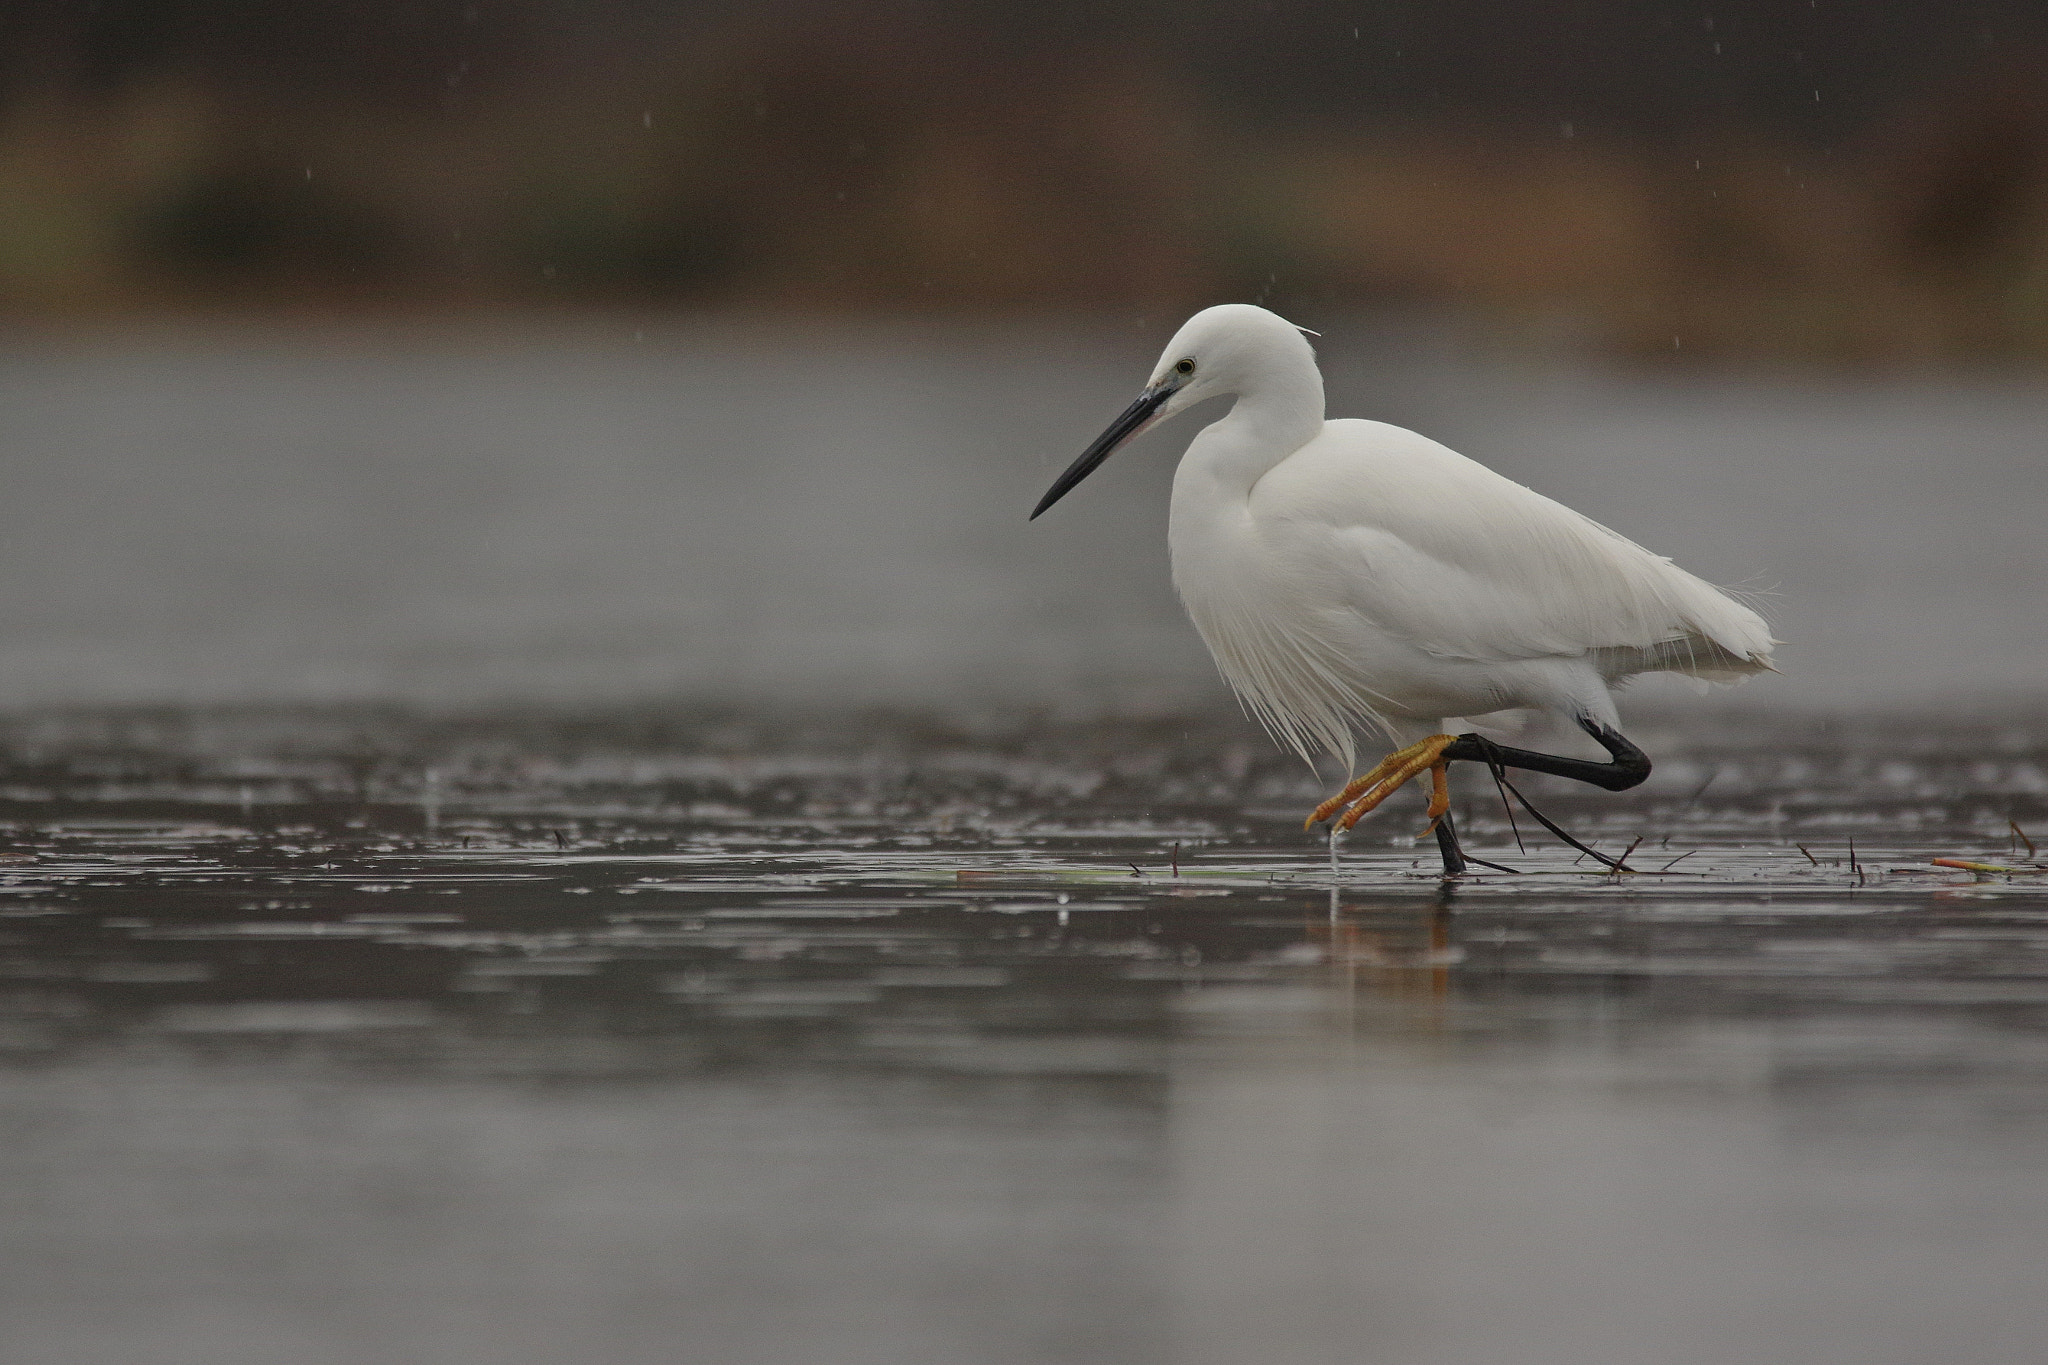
column 355, row 1036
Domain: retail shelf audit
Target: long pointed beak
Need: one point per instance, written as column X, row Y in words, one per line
column 1122, row 429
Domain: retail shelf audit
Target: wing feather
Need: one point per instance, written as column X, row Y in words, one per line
column 1439, row 550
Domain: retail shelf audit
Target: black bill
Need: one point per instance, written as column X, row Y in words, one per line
column 1122, row 429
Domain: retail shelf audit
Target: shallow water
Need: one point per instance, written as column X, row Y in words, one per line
column 355, row 1036
column 667, row 507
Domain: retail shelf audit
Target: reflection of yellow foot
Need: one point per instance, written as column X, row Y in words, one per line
column 1366, row 793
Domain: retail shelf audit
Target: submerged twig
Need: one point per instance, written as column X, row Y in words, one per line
column 1552, row 826
column 1968, row 865
column 1621, row 863
column 1496, row 771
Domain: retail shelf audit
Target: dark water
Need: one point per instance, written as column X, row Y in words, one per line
column 624, row 511
column 955, row 1035
column 363, row 1037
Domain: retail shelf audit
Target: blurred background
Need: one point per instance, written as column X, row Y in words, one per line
column 627, row 349
column 553, row 807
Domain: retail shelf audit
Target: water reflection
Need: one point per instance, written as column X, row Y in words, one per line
column 972, row 1055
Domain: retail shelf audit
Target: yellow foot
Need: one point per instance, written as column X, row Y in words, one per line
column 1394, row 771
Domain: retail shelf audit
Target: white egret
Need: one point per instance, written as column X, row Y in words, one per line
column 1351, row 573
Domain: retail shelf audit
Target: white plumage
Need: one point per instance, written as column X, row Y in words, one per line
column 1348, row 573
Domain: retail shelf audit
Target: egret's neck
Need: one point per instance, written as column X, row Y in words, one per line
column 1279, row 410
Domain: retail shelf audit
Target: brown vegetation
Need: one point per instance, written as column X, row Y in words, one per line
column 924, row 170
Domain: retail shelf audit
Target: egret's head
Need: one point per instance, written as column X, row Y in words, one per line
column 1219, row 351
column 1216, row 353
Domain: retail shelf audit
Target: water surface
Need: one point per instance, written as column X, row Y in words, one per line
column 356, row 1036
column 657, row 508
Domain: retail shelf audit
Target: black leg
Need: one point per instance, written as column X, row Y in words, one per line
column 1455, row 857
column 1629, row 767
column 1447, row 844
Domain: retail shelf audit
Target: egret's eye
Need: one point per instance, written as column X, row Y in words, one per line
column 1184, row 367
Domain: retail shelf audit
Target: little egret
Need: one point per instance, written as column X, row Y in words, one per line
column 1350, row 573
